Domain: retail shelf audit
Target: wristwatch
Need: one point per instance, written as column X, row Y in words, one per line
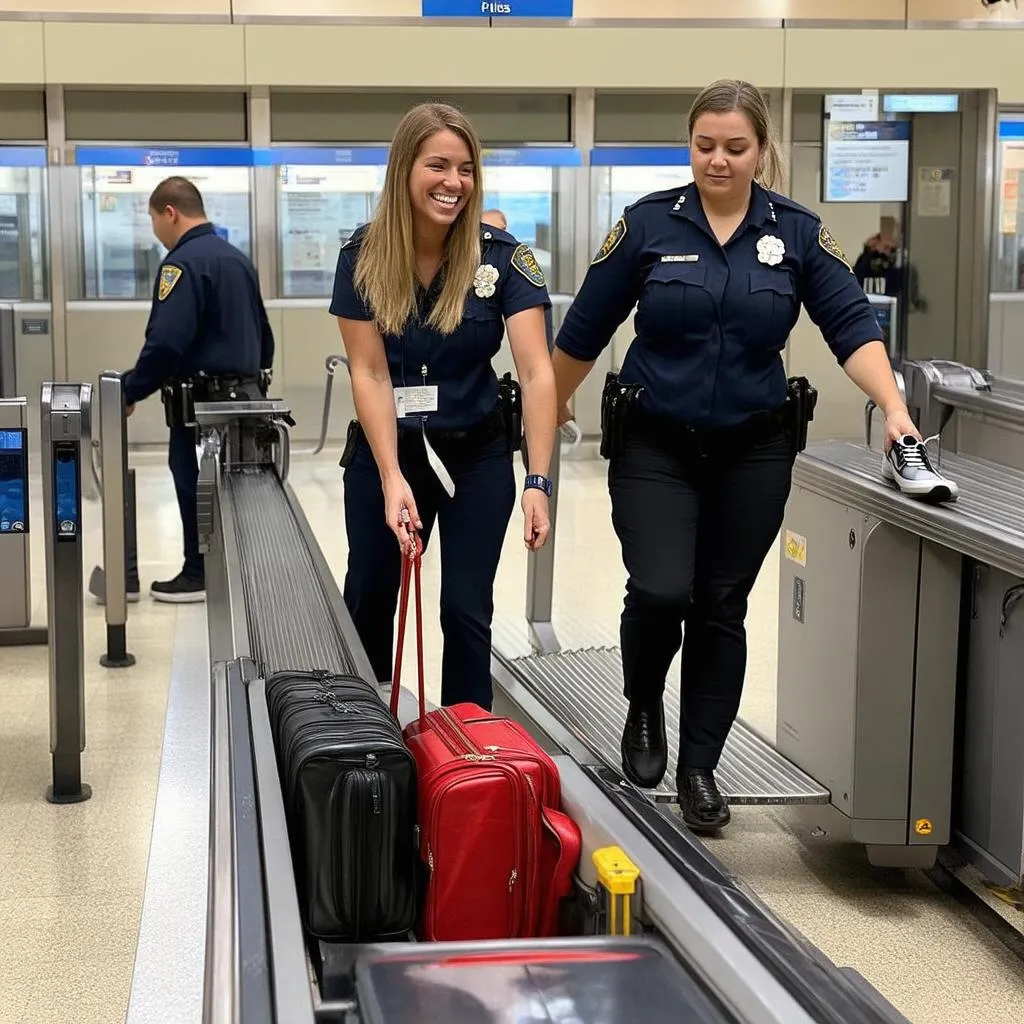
column 541, row 483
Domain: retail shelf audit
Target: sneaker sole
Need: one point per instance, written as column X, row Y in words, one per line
column 195, row 598
column 930, row 492
column 131, row 598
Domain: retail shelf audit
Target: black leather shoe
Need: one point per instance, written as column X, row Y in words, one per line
column 644, row 748
column 703, row 807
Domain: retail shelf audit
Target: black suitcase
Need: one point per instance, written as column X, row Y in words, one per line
column 349, row 786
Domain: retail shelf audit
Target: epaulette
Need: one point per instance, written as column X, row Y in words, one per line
column 355, row 238
column 664, row 195
column 492, row 234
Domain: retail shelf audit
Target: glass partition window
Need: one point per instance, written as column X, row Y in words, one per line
column 120, row 255
column 526, row 196
column 616, row 187
column 23, row 248
column 1008, row 264
column 320, row 207
column 318, row 210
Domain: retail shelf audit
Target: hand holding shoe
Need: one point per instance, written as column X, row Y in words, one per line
column 898, row 424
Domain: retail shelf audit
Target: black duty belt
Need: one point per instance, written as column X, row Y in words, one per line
column 761, row 426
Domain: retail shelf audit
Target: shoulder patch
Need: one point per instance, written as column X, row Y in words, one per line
column 169, row 277
column 526, row 263
column 832, row 247
column 612, row 239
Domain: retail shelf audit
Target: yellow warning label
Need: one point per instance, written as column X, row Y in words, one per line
column 796, row 547
column 923, row 827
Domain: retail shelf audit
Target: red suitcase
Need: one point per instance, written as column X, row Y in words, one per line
column 499, row 852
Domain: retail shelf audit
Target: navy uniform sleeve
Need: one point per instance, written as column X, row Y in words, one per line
column 524, row 286
column 173, row 322
column 609, row 291
column 346, row 301
column 266, row 339
column 833, row 298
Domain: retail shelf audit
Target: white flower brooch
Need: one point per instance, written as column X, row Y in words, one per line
column 770, row 250
column 484, row 281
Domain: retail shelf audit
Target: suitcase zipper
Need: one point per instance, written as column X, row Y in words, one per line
column 474, row 753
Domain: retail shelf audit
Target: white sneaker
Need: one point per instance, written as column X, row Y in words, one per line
column 907, row 465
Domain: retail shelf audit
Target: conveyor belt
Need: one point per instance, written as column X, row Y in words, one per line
column 987, row 522
column 291, row 624
column 583, row 689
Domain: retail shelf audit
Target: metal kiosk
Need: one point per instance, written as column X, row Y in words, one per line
column 15, row 546
column 64, row 411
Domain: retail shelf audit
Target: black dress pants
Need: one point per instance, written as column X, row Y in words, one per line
column 695, row 527
column 472, row 525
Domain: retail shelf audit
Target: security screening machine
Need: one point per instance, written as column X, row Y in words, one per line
column 64, row 411
column 901, row 635
column 120, row 571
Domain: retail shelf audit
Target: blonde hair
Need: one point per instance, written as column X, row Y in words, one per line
column 385, row 273
column 732, row 94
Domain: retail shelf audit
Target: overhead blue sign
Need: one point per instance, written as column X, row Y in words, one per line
column 533, row 156
column 1011, row 129
column 186, row 156
column 921, row 103
column 640, row 156
column 377, row 156
column 497, row 8
column 322, row 156
column 22, row 156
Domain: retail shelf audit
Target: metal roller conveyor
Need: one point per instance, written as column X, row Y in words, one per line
column 272, row 603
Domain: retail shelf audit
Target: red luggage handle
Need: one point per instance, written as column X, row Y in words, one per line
column 409, row 567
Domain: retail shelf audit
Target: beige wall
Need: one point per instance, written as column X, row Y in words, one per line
column 405, row 55
column 899, row 12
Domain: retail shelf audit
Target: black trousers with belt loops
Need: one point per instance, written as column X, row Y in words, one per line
column 695, row 521
column 472, row 526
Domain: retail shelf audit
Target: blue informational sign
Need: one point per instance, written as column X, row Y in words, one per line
column 497, row 8
column 13, row 481
column 866, row 162
column 377, row 156
column 22, row 156
column 533, row 156
column 640, row 156
column 921, row 103
column 322, row 156
column 1009, row 130
column 185, row 156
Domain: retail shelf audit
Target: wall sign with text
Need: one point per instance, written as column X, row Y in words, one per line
column 497, row 8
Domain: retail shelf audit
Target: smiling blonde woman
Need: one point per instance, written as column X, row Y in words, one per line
column 423, row 295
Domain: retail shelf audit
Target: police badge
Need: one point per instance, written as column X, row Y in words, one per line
column 832, row 247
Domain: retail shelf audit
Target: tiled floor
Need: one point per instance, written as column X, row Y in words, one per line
column 72, row 877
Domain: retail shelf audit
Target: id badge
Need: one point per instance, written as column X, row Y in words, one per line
column 415, row 401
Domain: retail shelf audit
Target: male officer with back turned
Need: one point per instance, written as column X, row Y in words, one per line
column 207, row 327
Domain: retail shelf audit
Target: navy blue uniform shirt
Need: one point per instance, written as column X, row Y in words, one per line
column 207, row 315
column 459, row 363
column 712, row 320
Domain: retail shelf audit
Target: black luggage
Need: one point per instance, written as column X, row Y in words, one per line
column 349, row 786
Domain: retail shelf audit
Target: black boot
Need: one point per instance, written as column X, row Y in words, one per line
column 702, row 806
column 644, row 747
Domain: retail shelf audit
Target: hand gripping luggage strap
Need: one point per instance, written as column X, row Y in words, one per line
column 411, row 567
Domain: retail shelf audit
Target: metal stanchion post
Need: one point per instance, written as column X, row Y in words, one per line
column 540, row 573
column 114, row 462
column 64, row 411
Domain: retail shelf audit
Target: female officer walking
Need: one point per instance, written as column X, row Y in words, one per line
column 700, row 424
column 420, row 294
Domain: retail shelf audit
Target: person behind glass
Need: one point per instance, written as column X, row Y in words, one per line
column 423, row 295
column 207, row 326
column 495, row 218
column 700, row 478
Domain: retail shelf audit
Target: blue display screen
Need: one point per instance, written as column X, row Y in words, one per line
column 66, row 493
column 13, row 482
